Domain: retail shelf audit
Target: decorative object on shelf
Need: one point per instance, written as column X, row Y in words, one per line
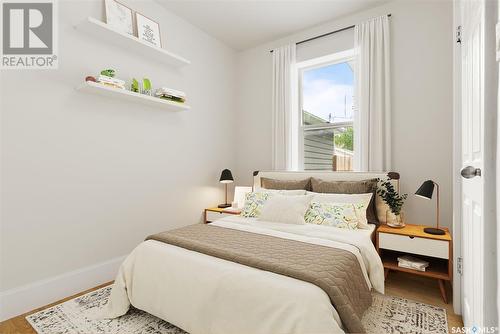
column 226, row 177
column 109, row 72
column 425, row 191
column 107, row 78
column 395, row 201
column 119, row 16
column 146, row 87
column 134, row 87
column 171, row 94
column 393, row 220
column 90, row 78
column 148, row 30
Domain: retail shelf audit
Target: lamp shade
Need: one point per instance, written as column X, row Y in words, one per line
column 226, row 176
column 426, row 189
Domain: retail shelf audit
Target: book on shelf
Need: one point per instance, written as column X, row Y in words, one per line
column 170, row 91
column 409, row 266
column 412, row 262
column 107, row 84
column 105, row 78
column 171, row 94
column 111, row 82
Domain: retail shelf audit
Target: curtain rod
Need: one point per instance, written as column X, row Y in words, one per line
column 327, row 34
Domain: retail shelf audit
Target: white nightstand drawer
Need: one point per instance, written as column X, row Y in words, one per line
column 414, row 245
column 213, row 216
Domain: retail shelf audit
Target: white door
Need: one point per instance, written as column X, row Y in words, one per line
column 472, row 106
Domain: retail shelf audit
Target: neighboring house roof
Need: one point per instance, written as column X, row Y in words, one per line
column 310, row 119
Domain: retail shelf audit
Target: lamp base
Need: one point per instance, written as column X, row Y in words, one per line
column 222, row 206
column 432, row 230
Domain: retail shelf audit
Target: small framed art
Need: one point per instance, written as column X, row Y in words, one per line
column 119, row 16
column 148, row 30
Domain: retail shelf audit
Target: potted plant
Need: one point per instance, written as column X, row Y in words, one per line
column 394, row 200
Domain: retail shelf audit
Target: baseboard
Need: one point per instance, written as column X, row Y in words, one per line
column 23, row 299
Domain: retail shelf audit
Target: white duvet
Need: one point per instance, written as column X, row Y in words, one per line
column 206, row 295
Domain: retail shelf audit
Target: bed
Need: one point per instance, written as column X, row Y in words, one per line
column 208, row 294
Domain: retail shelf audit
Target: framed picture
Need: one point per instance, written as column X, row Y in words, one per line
column 148, row 30
column 119, row 16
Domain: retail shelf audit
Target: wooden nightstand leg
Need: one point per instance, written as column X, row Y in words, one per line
column 443, row 290
column 386, row 272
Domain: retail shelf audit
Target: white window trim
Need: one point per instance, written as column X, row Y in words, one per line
column 334, row 58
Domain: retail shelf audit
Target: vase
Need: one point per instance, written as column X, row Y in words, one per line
column 393, row 220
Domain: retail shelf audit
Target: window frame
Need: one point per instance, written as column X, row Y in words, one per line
column 301, row 67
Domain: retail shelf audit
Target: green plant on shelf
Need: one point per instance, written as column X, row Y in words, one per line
column 146, row 86
column 135, row 85
column 109, row 72
column 391, row 197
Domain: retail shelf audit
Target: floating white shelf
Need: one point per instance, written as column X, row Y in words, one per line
column 129, row 42
column 126, row 95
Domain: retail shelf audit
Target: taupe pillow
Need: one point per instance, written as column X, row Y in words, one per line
column 268, row 183
column 350, row 187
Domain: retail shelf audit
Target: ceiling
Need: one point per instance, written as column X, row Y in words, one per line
column 243, row 24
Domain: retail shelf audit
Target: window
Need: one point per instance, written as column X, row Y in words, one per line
column 326, row 131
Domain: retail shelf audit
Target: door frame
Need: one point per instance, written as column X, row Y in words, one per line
column 491, row 142
column 491, row 139
column 457, row 160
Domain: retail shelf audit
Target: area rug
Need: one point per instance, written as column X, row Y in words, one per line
column 81, row 316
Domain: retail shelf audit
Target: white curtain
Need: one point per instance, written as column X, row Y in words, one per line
column 285, row 118
column 372, row 142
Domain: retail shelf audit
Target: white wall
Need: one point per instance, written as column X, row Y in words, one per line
column 422, row 42
column 86, row 178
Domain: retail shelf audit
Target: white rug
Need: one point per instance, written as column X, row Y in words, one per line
column 81, row 316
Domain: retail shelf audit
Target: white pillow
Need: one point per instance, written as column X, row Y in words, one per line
column 285, row 209
column 360, row 202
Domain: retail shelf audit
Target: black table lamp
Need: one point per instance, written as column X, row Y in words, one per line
column 425, row 191
column 226, row 177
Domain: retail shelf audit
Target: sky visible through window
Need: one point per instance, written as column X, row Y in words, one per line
column 328, row 91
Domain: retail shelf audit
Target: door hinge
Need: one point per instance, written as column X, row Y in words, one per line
column 459, row 265
column 459, row 34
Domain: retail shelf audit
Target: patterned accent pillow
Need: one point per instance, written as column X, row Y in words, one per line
column 360, row 202
column 254, row 202
column 341, row 215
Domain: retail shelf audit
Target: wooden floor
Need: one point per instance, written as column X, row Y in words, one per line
column 400, row 284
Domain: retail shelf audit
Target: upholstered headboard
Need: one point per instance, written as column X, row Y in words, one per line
column 324, row 175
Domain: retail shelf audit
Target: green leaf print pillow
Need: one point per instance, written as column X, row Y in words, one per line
column 254, row 202
column 341, row 215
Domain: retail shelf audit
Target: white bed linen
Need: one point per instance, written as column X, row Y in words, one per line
column 207, row 295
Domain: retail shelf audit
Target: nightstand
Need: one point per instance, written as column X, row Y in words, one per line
column 412, row 240
column 212, row 214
